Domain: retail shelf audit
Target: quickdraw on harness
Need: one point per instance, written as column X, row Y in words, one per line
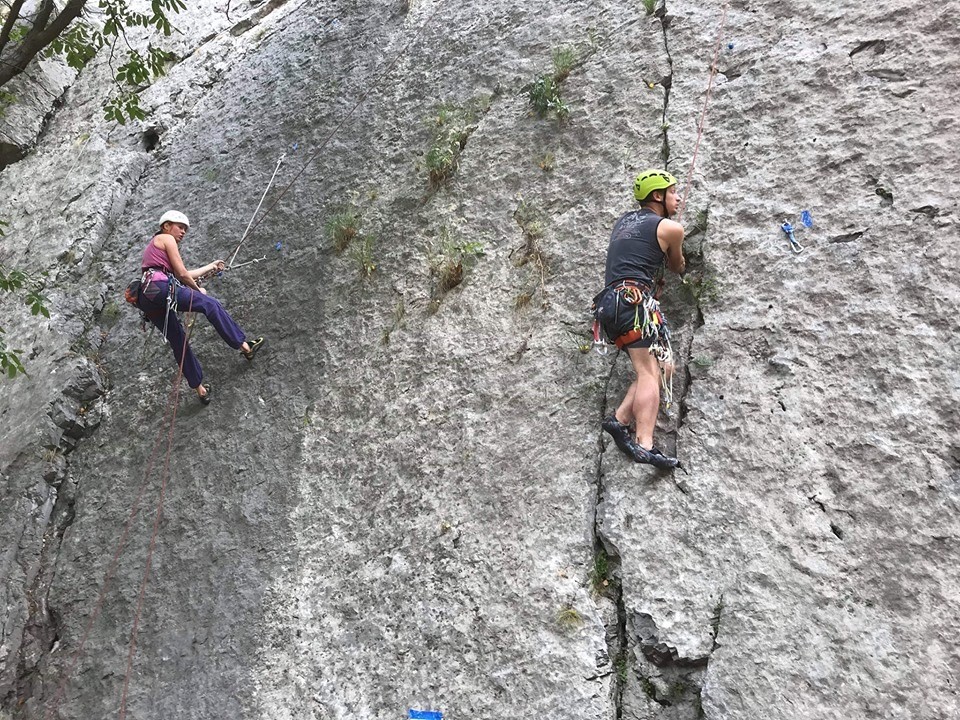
column 648, row 322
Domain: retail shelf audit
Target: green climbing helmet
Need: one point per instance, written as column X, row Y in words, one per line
column 651, row 180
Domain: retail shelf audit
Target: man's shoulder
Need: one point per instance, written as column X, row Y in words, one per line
column 670, row 229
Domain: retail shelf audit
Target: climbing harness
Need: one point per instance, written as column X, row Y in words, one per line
column 648, row 323
column 794, row 243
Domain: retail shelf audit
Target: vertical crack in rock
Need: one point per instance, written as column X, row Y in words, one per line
column 74, row 416
column 41, row 630
column 606, row 570
column 667, row 82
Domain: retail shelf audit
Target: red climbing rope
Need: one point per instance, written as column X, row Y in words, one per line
column 703, row 112
column 111, row 569
column 173, row 400
column 165, row 476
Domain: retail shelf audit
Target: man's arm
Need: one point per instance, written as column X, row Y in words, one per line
column 670, row 238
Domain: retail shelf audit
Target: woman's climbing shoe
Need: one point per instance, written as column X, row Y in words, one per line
column 205, row 398
column 254, row 346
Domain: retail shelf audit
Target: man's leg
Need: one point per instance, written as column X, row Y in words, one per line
column 643, row 395
column 624, row 413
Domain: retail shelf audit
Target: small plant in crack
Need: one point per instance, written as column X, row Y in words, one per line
column 545, row 98
column 600, row 577
column 6, row 100
column 569, row 618
column 622, row 667
column 564, row 60
column 701, row 221
column 342, row 227
column 701, row 289
column 398, row 320
column 452, row 127
column 529, row 219
column 649, row 6
column 646, row 684
column 677, row 690
column 362, row 254
column 440, row 162
column 449, row 259
column 547, row 162
column 522, row 299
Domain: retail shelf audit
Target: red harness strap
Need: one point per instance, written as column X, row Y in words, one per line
column 634, row 295
column 628, row 338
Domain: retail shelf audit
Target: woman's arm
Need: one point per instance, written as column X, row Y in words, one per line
column 169, row 245
column 215, row 266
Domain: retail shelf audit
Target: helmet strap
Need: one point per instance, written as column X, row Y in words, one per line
column 661, row 203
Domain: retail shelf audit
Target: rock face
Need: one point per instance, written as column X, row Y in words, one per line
column 405, row 502
column 26, row 105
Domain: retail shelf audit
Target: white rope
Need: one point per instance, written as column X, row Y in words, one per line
column 259, row 205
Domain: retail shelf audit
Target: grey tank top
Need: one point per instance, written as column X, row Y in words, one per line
column 634, row 253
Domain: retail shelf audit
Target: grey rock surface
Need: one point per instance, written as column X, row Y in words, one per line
column 406, row 501
column 28, row 102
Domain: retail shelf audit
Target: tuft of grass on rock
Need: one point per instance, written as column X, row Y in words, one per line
column 362, row 254
column 569, row 618
column 449, row 260
column 342, row 227
column 564, row 60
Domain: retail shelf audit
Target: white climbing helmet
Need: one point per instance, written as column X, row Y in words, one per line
column 174, row 216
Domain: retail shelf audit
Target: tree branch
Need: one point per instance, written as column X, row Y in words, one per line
column 8, row 25
column 43, row 15
column 39, row 37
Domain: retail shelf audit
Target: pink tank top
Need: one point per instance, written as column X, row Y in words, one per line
column 154, row 257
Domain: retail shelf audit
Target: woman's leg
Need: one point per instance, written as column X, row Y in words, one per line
column 189, row 300
column 181, row 348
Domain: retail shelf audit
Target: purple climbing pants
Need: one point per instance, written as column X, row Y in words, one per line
column 176, row 336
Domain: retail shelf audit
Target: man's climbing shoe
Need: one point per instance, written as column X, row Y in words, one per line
column 658, row 459
column 621, row 436
column 254, row 346
column 205, row 398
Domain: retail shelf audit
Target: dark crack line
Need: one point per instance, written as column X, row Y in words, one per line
column 617, row 654
column 667, row 83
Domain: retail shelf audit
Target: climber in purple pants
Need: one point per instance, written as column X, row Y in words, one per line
column 163, row 270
